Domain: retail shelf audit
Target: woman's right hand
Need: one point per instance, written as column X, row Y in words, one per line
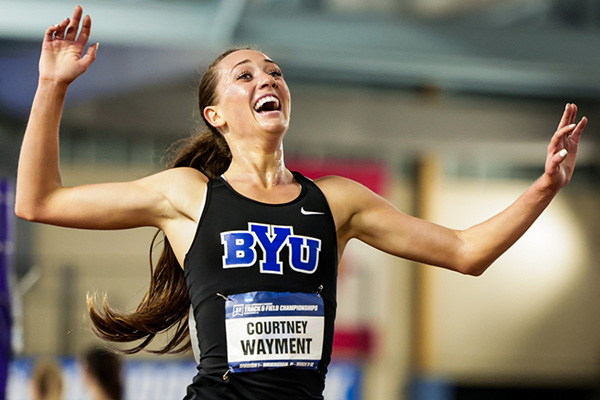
column 62, row 59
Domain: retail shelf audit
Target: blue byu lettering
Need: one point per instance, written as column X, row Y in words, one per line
column 271, row 239
column 304, row 254
column 240, row 249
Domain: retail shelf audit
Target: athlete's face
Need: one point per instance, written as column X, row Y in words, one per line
column 251, row 93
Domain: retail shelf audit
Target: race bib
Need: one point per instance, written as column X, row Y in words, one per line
column 272, row 330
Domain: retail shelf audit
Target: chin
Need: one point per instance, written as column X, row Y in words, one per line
column 275, row 128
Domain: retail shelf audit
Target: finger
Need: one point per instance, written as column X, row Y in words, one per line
column 560, row 138
column 90, row 55
column 85, row 30
column 74, row 25
column 566, row 117
column 64, row 32
column 50, row 33
column 567, row 130
column 556, row 160
column 559, row 135
column 56, row 31
column 573, row 113
column 576, row 134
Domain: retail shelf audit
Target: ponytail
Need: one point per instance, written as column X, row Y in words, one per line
column 166, row 305
column 207, row 152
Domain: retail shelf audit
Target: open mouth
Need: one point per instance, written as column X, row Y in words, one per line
column 267, row 103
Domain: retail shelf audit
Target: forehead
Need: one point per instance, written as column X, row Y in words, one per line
column 243, row 56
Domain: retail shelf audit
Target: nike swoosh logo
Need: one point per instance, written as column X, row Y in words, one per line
column 304, row 212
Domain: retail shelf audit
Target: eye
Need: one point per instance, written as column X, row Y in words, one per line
column 276, row 73
column 246, row 76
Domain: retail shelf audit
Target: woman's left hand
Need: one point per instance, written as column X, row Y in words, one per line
column 562, row 150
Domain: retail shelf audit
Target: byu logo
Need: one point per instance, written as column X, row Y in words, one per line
column 240, row 249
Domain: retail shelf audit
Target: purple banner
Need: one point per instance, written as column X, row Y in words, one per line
column 6, row 250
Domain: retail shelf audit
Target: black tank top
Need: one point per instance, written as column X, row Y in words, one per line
column 243, row 247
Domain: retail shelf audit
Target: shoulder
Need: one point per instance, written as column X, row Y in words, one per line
column 179, row 174
column 174, row 177
column 182, row 188
column 346, row 198
column 339, row 188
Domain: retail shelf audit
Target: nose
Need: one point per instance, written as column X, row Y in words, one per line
column 267, row 80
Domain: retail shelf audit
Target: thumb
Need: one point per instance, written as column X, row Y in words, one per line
column 90, row 55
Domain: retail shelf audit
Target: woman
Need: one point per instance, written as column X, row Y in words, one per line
column 258, row 244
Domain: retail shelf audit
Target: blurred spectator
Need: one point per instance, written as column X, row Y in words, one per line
column 102, row 374
column 47, row 380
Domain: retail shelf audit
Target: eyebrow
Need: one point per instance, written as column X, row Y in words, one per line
column 248, row 60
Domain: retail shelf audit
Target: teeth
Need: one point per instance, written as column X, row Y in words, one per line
column 264, row 100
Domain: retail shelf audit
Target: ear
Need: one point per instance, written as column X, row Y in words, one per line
column 213, row 116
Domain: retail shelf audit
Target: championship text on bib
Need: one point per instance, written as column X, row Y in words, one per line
column 273, row 330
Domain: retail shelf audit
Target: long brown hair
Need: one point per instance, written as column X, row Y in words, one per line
column 167, row 303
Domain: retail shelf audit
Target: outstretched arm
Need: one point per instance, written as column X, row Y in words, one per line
column 375, row 221
column 152, row 201
column 61, row 62
column 487, row 241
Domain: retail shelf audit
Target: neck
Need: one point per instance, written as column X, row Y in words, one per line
column 261, row 165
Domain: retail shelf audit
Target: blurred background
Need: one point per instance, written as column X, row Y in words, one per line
column 445, row 107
